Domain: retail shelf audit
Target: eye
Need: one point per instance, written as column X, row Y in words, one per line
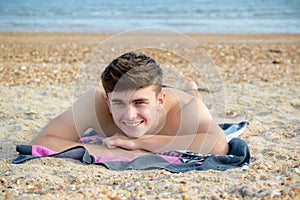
column 140, row 102
column 118, row 103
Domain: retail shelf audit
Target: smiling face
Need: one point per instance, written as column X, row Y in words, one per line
column 135, row 111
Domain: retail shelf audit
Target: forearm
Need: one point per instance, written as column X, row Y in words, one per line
column 199, row 143
column 54, row 143
column 59, row 144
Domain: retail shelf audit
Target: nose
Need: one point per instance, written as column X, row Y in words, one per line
column 131, row 112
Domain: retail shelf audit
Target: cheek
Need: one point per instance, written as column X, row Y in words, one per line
column 145, row 112
column 152, row 113
column 116, row 113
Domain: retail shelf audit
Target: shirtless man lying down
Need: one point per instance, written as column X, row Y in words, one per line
column 135, row 114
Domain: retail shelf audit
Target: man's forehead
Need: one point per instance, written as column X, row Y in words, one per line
column 127, row 95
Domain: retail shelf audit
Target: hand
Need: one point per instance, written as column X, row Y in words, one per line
column 100, row 150
column 122, row 141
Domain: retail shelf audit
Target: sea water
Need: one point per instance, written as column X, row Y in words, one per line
column 194, row 16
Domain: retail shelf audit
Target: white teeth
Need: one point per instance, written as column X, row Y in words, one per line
column 132, row 124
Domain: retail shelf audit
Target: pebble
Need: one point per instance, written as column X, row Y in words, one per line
column 231, row 59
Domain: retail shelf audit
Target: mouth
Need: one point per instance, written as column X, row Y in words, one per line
column 133, row 124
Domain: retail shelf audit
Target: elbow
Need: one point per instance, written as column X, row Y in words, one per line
column 41, row 140
column 221, row 149
column 35, row 141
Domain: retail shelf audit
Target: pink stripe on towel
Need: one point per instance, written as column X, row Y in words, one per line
column 41, row 151
column 171, row 159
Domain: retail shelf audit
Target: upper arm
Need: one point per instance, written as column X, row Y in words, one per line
column 72, row 123
column 214, row 140
column 200, row 122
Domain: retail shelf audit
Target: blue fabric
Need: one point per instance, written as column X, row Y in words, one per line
column 230, row 128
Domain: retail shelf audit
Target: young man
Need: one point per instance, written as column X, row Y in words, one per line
column 136, row 115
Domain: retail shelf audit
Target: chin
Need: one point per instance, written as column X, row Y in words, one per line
column 134, row 135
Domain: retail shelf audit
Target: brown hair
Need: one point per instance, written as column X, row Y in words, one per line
column 132, row 71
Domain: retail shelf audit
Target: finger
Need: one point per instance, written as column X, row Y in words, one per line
column 111, row 146
column 108, row 144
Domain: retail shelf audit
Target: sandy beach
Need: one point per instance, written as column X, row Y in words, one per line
column 41, row 74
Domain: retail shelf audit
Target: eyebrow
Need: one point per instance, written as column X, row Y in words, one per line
column 141, row 99
column 116, row 100
column 135, row 100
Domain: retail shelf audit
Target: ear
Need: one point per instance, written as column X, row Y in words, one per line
column 161, row 99
column 106, row 98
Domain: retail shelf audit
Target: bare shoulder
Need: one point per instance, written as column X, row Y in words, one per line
column 192, row 112
column 91, row 98
column 72, row 123
column 176, row 97
column 99, row 91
